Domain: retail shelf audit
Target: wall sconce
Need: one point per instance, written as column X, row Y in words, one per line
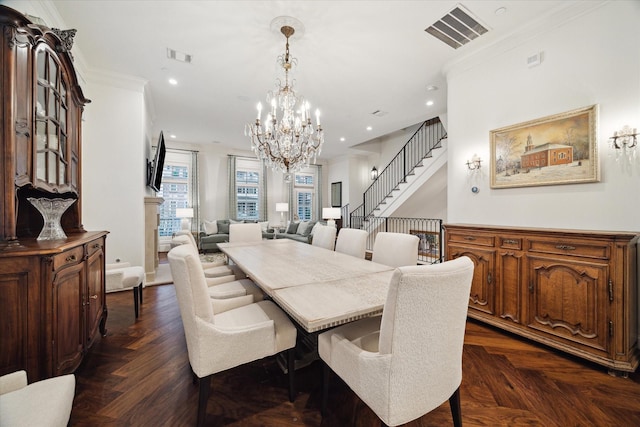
column 374, row 173
column 624, row 138
column 474, row 163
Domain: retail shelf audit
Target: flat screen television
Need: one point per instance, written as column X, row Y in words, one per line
column 155, row 177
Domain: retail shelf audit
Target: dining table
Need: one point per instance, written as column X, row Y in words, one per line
column 318, row 288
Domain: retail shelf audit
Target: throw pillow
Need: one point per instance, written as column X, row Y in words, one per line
column 211, row 227
column 233, row 221
column 264, row 226
column 293, row 227
column 310, row 227
column 223, row 226
column 302, row 228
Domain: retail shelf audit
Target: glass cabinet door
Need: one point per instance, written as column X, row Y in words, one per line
column 50, row 121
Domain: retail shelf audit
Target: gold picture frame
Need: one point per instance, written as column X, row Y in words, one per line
column 429, row 245
column 557, row 149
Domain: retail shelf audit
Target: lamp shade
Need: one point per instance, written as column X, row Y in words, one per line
column 184, row 213
column 331, row 213
column 282, row 207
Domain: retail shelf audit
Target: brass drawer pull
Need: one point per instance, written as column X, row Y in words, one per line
column 96, row 245
column 70, row 258
column 566, row 247
column 94, row 297
column 510, row 241
column 469, row 238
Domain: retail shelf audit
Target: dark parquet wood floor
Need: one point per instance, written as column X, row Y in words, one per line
column 138, row 375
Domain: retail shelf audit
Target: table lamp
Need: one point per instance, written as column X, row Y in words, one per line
column 282, row 208
column 185, row 214
column 331, row 214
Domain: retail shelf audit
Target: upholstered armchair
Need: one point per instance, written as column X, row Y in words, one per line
column 408, row 361
column 324, row 236
column 352, row 241
column 216, row 340
column 45, row 403
column 395, row 249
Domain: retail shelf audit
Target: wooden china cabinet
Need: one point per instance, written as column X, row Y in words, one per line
column 573, row 290
column 52, row 292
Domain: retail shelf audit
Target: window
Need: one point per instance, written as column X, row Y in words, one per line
column 175, row 192
column 304, row 189
column 247, row 194
column 179, row 189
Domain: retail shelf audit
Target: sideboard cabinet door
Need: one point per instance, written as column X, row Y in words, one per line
column 569, row 301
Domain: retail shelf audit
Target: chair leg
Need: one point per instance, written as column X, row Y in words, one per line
column 135, row 300
column 140, row 286
column 456, row 413
column 291, row 369
column 326, row 373
column 203, row 397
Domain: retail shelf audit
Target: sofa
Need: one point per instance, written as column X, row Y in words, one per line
column 302, row 231
column 218, row 232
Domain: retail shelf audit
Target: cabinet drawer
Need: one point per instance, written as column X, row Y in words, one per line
column 570, row 247
column 510, row 242
column 470, row 238
column 70, row 257
column 95, row 246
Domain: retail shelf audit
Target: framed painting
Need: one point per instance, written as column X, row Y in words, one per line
column 336, row 194
column 557, row 149
column 429, row 245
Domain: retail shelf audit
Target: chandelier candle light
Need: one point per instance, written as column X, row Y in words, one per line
column 292, row 142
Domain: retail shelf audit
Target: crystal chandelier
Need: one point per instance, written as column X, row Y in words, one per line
column 287, row 140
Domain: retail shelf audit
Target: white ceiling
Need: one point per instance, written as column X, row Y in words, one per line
column 355, row 57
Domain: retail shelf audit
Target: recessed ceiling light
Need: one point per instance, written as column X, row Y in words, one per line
column 342, row 139
column 500, row 10
column 432, row 88
column 369, row 128
column 172, row 136
column 429, row 103
column 173, row 81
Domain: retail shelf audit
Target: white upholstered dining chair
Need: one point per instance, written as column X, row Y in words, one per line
column 238, row 233
column 352, row 241
column 217, row 270
column 45, row 403
column 249, row 232
column 395, row 249
column 324, row 236
column 224, row 289
column 216, row 340
column 408, row 361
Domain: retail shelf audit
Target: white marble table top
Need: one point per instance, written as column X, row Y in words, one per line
column 317, row 287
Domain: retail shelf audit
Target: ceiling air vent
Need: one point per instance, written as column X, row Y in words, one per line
column 457, row 28
column 379, row 113
column 179, row 56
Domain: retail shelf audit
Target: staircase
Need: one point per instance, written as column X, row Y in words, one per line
column 415, row 163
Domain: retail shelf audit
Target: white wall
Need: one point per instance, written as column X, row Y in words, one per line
column 114, row 166
column 593, row 58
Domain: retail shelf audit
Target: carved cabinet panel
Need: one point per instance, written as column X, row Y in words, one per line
column 573, row 290
column 569, row 300
column 482, row 296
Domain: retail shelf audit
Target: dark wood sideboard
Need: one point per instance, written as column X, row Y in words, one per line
column 52, row 292
column 573, row 290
